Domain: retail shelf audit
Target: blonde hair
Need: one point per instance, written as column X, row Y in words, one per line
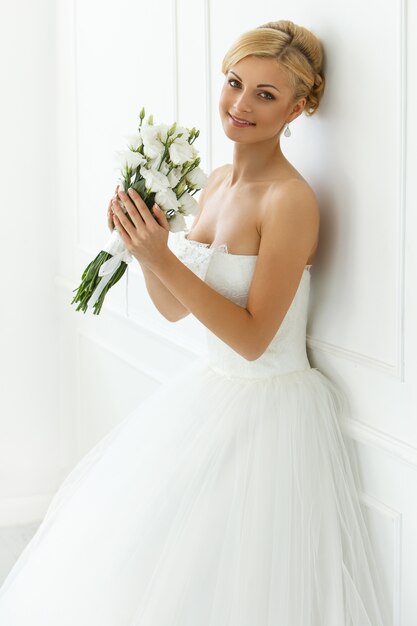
column 297, row 50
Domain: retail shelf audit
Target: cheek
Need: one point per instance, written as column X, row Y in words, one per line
column 222, row 96
column 223, row 101
column 273, row 115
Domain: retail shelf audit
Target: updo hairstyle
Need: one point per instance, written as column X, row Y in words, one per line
column 297, row 50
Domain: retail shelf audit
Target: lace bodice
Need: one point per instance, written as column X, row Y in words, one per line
column 231, row 275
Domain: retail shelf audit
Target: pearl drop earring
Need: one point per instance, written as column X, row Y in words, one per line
column 287, row 131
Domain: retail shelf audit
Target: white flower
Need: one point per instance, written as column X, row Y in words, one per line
column 188, row 204
column 185, row 133
column 196, row 178
column 152, row 145
column 162, row 132
column 165, row 169
column 174, row 176
column 153, row 164
column 167, row 200
column 155, row 181
column 131, row 160
column 177, row 223
column 194, row 152
column 134, row 142
column 180, row 152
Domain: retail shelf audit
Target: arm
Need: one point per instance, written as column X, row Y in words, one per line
column 289, row 230
column 165, row 302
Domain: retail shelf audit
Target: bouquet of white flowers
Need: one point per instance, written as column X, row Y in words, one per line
column 161, row 164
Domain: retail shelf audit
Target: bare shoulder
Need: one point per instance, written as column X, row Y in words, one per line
column 292, row 199
column 290, row 222
column 218, row 174
column 291, row 203
column 213, row 179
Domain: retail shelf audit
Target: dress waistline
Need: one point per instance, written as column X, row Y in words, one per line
column 250, row 377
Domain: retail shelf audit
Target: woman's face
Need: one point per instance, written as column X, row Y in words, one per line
column 256, row 89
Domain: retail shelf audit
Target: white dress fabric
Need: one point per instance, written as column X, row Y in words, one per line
column 227, row 498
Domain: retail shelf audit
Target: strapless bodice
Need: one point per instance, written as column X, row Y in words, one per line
column 231, row 275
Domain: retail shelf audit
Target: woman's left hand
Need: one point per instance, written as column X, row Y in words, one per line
column 146, row 239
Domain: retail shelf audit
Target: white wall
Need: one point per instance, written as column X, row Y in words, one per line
column 358, row 153
column 29, row 415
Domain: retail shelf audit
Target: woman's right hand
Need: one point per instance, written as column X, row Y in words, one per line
column 110, row 222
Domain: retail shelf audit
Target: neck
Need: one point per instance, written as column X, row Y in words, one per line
column 255, row 162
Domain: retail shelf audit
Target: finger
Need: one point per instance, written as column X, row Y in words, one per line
column 131, row 209
column 110, row 221
column 121, row 230
column 161, row 217
column 109, row 211
column 141, row 206
column 123, row 219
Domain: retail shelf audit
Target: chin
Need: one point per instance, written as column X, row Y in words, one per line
column 231, row 131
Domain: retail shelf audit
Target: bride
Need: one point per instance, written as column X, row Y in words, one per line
column 227, row 497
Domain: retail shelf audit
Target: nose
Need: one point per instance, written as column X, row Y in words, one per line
column 242, row 102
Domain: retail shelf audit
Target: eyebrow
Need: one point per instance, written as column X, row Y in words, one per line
column 264, row 85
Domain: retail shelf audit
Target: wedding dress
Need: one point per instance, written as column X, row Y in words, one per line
column 227, row 498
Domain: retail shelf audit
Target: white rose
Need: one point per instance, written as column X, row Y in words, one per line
column 167, row 200
column 155, row 181
column 131, row 160
column 177, row 223
column 174, row 176
column 197, row 178
column 188, row 204
column 134, row 142
column 152, row 146
column 180, row 152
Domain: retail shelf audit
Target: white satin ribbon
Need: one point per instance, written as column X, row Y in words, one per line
column 116, row 247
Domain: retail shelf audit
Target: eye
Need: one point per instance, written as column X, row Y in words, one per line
column 269, row 95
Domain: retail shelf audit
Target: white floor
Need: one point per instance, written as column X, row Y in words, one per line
column 12, row 542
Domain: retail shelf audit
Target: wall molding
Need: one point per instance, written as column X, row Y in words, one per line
column 29, row 509
column 174, row 12
column 351, row 355
column 370, row 436
column 397, row 369
column 402, row 189
column 181, row 343
column 395, row 518
column 76, row 123
column 207, row 66
column 121, row 355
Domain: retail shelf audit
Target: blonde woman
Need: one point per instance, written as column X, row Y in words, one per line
column 226, row 498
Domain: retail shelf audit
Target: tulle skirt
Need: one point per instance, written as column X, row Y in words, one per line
column 219, row 501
